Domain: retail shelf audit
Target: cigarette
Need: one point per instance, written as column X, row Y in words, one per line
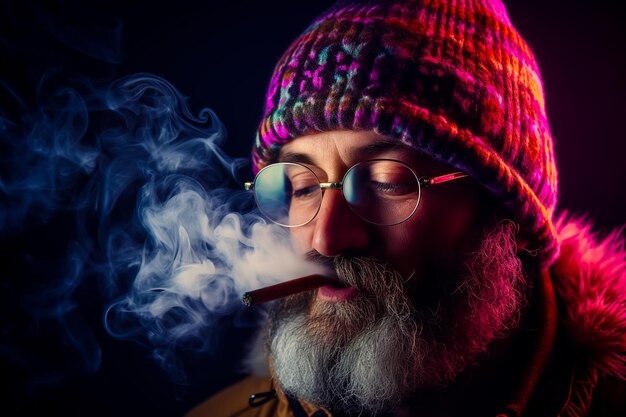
column 295, row 286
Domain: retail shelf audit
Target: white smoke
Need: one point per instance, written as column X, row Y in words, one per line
column 158, row 210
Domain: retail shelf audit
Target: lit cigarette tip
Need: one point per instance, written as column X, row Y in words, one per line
column 284, row 289
column 247, row 299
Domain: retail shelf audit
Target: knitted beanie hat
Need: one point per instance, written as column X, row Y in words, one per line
column 451, row 78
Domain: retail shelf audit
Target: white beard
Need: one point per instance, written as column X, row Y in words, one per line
column 373, row 352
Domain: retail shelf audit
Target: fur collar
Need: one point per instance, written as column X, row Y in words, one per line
column 590, row 279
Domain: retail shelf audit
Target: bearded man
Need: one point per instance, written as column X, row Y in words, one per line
column 405, row 145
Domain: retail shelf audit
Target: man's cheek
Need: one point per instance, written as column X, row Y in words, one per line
column 403, row 248
column 301, row 238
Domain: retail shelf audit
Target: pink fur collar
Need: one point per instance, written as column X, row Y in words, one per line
column 590, row 278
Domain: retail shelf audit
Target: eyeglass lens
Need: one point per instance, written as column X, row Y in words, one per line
column 383, row 192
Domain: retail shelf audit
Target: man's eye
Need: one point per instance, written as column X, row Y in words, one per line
column 397, row 188
column 304, row 192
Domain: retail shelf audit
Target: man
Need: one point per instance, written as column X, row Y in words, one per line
column 406, row 146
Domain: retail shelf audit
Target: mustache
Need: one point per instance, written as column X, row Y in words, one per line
column 365, row 273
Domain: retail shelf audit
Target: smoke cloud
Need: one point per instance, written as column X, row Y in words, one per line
column 153, row 211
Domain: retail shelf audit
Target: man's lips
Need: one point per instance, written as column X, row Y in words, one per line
column 336, row 293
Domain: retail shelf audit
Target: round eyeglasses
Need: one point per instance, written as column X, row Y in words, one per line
column 383, row 192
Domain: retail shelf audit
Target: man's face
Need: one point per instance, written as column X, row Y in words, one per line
column 445, row 222
column 405, row 323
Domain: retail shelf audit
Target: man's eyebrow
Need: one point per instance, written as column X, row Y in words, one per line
column 299, row 158
column 378, row 146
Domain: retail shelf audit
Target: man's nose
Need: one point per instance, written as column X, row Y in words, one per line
column 337, row 229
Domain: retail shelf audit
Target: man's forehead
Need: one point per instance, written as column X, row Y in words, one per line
column 352, row 147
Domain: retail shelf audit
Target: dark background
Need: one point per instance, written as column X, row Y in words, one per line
column 220, row 55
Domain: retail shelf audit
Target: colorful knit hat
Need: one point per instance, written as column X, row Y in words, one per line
column 451, row 78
